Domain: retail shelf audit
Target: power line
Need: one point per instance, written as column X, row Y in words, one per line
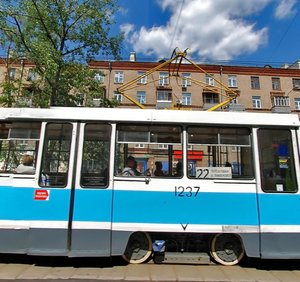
column 176, row 26
column 284, row 35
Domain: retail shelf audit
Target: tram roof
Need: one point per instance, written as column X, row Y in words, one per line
column 148, row 115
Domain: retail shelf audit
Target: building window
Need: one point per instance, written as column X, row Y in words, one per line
column 12, row 73
column 163, row 78
column 234, row 102
column 143, row 78
column 32, row 75
column 210, row 98
column 186, row 79
column 280, row 101
column 276, row 83
column 99, row 78
column 296, row 83
column 162, row 146
column 209, row 79
column 255, row 82
column 256, row 102
column 117, row 96
column 139, row 145
column 164, row 96
column 80, row 99
column 297, row 103
column 141, row 97
column 232, row 81
column 119, row 77
column 186, row 99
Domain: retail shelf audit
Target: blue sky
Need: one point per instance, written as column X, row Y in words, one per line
column 247, row 32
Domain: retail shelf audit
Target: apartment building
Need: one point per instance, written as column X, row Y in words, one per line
column 263, row 89
column 22, row 74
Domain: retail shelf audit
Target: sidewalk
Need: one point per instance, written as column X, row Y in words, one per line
column 146, row 272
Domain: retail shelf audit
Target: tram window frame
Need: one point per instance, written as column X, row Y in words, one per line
column 96, row 176
column 20, row 138
column 47, row 177
column 229, row 150
column 146, row 157
column 273, row 167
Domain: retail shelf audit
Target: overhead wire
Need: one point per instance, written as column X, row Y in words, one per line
column 171, row 47
column 283, row 36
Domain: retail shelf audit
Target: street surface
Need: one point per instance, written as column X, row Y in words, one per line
column 25, row 268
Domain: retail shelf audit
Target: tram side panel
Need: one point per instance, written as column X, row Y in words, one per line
column 182, row 206
column 214, row 193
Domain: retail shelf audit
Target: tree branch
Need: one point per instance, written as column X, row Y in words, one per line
column 75, row 49
column 43, row 24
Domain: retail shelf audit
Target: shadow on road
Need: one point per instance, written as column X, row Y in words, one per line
column 272, row 264
column 54, row 261
column 265, row 264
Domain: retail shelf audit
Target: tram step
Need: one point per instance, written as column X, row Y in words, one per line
column 184, row 258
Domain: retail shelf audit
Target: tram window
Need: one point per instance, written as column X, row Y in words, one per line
column 161, row 147
column 133, row 133
column 56, row 155
column 95, row 158
column 18, row 139
column 277, row 167
column 219, row 153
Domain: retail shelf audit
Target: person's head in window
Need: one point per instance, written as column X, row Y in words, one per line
column 26, row 165
column 178, row 169
column 158, row 171
column 130, row 168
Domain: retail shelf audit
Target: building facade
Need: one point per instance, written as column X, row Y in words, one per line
column 21, row 74
column 261, row 89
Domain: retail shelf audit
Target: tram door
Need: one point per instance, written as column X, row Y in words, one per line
column 92, row 200
column 48, row 209
column 279, row 198
column 71, row 205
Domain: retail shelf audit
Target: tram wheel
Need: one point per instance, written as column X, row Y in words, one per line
column 139, row 248
column 227, row 249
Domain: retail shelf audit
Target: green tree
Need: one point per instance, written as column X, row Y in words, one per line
column 59, row 37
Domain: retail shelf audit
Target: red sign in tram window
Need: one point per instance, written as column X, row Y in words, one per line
column 41, row 195
column 192, row 155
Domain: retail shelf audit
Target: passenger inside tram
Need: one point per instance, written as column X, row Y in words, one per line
column 131, row 167
column 158, row 171
column 26, row 165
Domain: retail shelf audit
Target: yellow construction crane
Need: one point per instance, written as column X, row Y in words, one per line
column 173, row 65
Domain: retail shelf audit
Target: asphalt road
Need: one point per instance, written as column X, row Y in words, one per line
column 25, row 268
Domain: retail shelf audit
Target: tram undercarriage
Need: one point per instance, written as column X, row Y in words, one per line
column 191, row 248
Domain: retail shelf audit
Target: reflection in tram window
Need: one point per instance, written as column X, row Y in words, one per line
column 219, row 153
column 56, row 155
column 277, row 160
column 148, row 145
column 18, row 139
column 95, row 159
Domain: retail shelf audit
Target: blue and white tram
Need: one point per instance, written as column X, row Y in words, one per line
column 220, row 183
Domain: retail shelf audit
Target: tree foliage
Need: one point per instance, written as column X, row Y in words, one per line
column 59, row 37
